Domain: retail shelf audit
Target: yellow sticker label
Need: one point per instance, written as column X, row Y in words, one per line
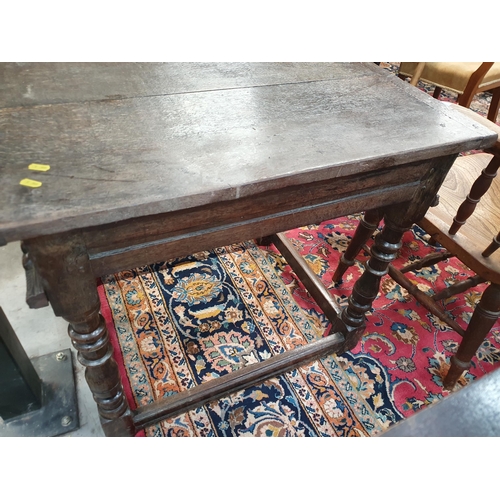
column 30, row 183
column 39, row 167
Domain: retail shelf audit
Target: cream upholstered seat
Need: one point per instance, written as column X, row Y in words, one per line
column 465, row 78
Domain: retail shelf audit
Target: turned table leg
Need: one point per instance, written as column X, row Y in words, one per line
column 384, row 250
column 64, row 267
column 366, row 227
column 397, row 220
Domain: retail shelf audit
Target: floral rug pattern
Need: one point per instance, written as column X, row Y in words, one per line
column 412, row 346
column 186, row 321
column 190, row 320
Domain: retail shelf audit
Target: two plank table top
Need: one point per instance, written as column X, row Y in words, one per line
column 154, row 161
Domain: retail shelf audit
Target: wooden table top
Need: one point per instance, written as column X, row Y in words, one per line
column 126, row 140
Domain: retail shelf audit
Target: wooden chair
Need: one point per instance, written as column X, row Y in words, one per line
column 466, row 224
column 465, row 78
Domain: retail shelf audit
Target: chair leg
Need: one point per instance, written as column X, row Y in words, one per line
column 493, row 246
column 437, row 92
column 465, row 99
column 367, row 226
column 494, row 105
column 483, row 319
column 417, row 73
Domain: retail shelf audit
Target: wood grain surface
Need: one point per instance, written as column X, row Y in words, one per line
column 130, row 140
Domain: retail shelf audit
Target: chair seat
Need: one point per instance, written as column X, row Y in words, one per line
column 453, row 76
column 481, row 227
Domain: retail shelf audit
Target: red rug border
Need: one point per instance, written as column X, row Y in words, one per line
column 117, row 354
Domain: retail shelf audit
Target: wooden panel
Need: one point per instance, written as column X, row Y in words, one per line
column 113, row 160
column 211, row 237
column 276, row 202
column 145, row 240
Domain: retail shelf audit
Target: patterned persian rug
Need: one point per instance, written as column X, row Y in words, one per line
column 190, row 320
column 180, row 323
column 177, row 324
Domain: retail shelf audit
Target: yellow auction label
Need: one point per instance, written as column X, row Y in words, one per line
column 39, row 167
column 30, row 183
